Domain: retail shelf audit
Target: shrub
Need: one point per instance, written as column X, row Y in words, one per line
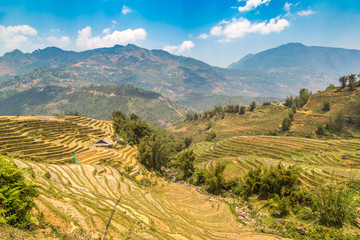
column 242, row 110
column 326, row 106
column 322, row 131
column 200, row 178
column 266, row 103
column 16, row 196
column 335, row 205
column 267, row 183
column 286, row 124
column 210, row 136
column 336, row 124
column 47, row 175
column 252, row 106
column 215, row 181
column 331, row 86
column 185, row 164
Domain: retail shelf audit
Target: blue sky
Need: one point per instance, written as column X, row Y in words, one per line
column 218, row 32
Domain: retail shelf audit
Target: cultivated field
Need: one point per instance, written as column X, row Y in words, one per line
column 82, row 196
column 58, row 139
column 321, row 160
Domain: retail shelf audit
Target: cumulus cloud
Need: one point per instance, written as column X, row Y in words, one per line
column 252, row 4
column 61, row 42
column 86, row 41
column 238, row 28
column 287, row 6
column 15, row 36
column 125, row 10
column 182, row 48
column 305, row 12
column 203, row 36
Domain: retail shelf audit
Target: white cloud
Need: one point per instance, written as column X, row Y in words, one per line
column 238, row 28
column 203, row 36
column 15, row 36
column 86, row 41
column 184, row 47
column 305, row 12
column 252, row 4
column 126, row 10
column 287, row 6
column 61, row 42
column 107, row 30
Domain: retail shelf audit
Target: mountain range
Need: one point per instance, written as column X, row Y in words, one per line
column 269, row 75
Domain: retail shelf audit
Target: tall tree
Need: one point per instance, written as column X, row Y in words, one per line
column 352, row 81
column 185, row 164
column 343, row 81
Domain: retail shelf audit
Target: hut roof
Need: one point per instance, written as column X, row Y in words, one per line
column 105, row 141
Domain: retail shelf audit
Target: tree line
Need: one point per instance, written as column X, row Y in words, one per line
column 221, row 111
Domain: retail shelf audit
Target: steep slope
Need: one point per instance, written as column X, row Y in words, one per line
column 79, row 199
column 93, row 101
column 175, row 77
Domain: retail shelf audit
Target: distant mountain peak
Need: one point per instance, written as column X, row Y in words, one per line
column 13, row 53
column 303, row 59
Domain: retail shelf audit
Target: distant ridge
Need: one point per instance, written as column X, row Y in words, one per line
column 296, row 57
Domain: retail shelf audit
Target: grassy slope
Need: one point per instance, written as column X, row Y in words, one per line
column 312, row 115
column 94, row 101
column 260, row 121
column 266, row 118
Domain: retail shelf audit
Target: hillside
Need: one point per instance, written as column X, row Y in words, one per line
column 313, row 115
column 76, row 200
column 267, row 119
column 177, row 78
column 59, row 139
column 93, row 101
column 296, row 57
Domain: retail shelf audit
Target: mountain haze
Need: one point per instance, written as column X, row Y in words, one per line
column 296, row 57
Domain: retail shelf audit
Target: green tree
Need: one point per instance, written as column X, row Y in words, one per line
column 343, row 81
column 326, row 106
column 16, row 196
column 331, row 86
column 210, row 136
column 187, row 141
column 215, row 180
column 154, row 152
column 286, row 124
column 242, row 110
column 252, row 106
column 185, row 164
column 336, row 124
column 352, row 81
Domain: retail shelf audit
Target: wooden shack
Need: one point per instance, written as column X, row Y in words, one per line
column 103, row 142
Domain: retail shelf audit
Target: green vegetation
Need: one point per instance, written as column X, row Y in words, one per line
column 252, row 106
column 215, row 179
column 16, row 196
column 210, row 136
column 157, row 147
column 300, row 100
column 92, row 101
column 326, row 106
column 184, row 163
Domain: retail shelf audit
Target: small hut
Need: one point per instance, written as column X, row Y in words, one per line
column 104, row 142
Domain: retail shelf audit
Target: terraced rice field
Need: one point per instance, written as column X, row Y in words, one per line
column 83, row 196
column 59, row 139
column 321, row 160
